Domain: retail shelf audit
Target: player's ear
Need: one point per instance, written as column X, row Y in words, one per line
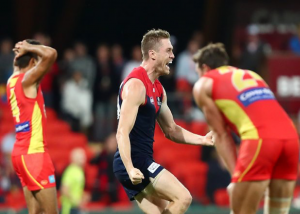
column 152, row 54
column 34, row 61
column 205, row 68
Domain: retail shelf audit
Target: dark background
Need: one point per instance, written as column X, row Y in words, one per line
column 98, row 21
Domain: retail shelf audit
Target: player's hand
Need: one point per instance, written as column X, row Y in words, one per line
column 136, row 176
column 21, row 48
column 208, row 139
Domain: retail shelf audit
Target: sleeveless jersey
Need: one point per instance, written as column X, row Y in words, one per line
column 142, row 133
column 29, row 118
column 248, row 105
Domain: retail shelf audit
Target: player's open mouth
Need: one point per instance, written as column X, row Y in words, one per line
column 168, row 63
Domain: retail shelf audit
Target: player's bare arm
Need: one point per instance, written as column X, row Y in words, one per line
column 176, row 133
column 46, row 57
column 133, row 95
column 223, row 141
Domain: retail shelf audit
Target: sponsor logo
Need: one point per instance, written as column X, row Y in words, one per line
column 153, row 167
column 236, row 174
column 158, row 101
column 23, row 127
column 44, row 182
column 255, row 94
column 152, row 100
column 51, row 179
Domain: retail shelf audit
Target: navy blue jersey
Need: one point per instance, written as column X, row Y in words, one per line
column 142, row 133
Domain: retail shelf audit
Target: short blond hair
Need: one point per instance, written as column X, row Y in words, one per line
column 151, row 41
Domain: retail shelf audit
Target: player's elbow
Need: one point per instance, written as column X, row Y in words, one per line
column 170, row 132
column 50, row 54
column 120, row 135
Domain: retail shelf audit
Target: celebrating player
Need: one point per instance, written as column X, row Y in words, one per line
column 30, row 159
column 141, row 101
column 239, row 100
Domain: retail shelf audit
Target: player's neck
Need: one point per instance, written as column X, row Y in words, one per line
column 16, row 71
column 23, row 70
column 150, row 71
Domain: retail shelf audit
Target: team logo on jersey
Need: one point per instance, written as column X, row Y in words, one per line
column 23, row 127
column 158, row 101
column 51, row 179
column 44, row 182
column 255, row 94
column 152, row 100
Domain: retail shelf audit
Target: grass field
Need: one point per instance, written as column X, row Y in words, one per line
column 194, row 209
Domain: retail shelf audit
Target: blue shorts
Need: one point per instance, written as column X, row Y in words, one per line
column 149, row 169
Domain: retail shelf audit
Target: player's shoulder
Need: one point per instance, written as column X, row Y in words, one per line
column 134, row 87
column 134, row 83
column 13, row 79
column 203, row 85
column 134, row 91
column 136, row 72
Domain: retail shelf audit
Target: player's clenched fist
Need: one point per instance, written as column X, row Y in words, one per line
column 208, row 139
column 136, row 176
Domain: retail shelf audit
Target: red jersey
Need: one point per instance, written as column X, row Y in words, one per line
column 248, row 105
column 29, row 118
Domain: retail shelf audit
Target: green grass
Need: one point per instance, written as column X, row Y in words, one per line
column 194, row 209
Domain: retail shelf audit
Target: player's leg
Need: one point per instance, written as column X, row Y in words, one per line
column 32, row 204
column 167, row 187
column 280, row 196
column 150, row 204
column 252, row 175
column 38, row 176
column 283, row 179
column 47, row 200
column 245, row 196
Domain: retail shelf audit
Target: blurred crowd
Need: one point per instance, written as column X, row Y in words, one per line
column 82, row 87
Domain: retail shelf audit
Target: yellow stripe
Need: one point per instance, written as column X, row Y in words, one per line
column 36, row 142
column 252, row 161
column 37, row 183
column 237, row 116
column 12, row 81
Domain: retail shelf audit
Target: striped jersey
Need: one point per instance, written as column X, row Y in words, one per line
column 29, row 118
column 248, row 105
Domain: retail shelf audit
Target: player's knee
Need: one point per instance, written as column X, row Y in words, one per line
column 35, row 210
column 243, row 210
column 186, row 199
column 236, row 209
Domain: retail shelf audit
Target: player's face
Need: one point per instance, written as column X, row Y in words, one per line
column 165, row 56
column 198, row 69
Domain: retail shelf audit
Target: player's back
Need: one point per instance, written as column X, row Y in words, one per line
column 29, row 118
column 248, row 105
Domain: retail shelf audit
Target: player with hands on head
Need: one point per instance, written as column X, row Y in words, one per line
column 30, row 158
column 141, row 102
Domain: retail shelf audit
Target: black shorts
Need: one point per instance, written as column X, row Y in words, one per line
column 149, row 169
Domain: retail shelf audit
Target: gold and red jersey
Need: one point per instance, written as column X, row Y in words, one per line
column 29, row 118
column 248, row 105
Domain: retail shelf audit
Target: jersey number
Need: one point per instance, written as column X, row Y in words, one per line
column 238, row 80
column 14, row 105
